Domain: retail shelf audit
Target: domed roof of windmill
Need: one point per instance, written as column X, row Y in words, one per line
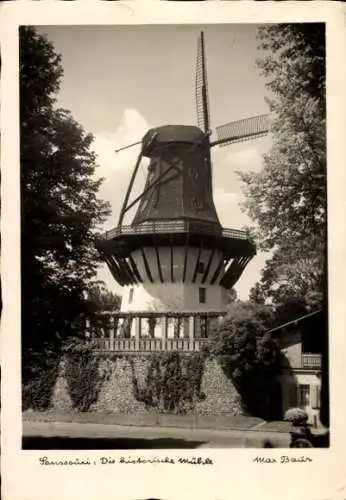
column 172, row 134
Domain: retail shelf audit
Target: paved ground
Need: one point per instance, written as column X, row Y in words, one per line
column 216, row 422
column 73, row 435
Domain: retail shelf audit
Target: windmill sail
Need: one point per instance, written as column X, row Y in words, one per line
column 241, row 130
column 229, row 133
column 202, row 99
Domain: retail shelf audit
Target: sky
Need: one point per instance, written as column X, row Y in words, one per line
column 119, row 81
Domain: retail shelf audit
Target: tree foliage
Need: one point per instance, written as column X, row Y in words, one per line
column 101, row 299
column 60, row 211
column 83, row 375
column 249, row 355
column 172, row 383
column 287, row 198
column 231, row 296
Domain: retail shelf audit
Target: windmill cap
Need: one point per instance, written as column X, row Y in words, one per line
column 171, row 134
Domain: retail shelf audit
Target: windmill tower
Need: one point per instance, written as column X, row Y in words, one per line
column 176, row 254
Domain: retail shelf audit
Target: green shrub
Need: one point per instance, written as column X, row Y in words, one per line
column 83, row 376
column 296, row 416
column 150, row 394
column 37, row 393
column 250, row 357
column 41, row 372
column 172, row 383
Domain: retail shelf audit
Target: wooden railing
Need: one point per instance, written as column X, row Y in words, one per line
column 306, row 360
column 174, row 226
column 148, row 345
column 310, row 360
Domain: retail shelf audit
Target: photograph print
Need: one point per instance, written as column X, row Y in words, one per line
column 173, row 236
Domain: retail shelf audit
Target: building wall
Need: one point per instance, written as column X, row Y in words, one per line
column 291, row 347
column 297, row 379
column 172, row 297
column 116, row 395
column 291, row 383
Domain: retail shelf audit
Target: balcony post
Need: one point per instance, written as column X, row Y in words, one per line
column 192, row 327
column 111, row 328
column 111, row 332
column 174, row 321
column 186, row 327
column 165, row 327
column 164, row 331
column 138, row 327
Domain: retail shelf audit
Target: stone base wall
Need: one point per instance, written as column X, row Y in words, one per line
column 221, row 395
column 116, row 395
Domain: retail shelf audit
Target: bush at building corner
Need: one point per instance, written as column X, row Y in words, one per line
column 250, row 357
column 296, row 416
column 37, row 389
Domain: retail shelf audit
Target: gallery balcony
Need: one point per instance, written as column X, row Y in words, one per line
column 147, row 332
column 125, row 239
column 173, row 226
column 302, row 360
column 313, row 361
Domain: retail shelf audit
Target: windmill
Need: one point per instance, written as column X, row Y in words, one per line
column 175, row 252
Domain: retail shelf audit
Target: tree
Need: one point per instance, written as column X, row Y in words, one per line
column 256, row 294
column 231, row 296
column 101, row 299
column 60, row 213
column 287, row 198
column 250, row 356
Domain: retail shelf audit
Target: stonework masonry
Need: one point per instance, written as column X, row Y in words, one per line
column 117, row 397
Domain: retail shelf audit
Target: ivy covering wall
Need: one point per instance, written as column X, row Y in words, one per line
column 172, row 383
column 124, row 383
column 84, row 376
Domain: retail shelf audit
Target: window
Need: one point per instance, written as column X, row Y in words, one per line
column 202, row 295
column 200, row 267
column 130, row 295
column 198, row 203
column 303, row 395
